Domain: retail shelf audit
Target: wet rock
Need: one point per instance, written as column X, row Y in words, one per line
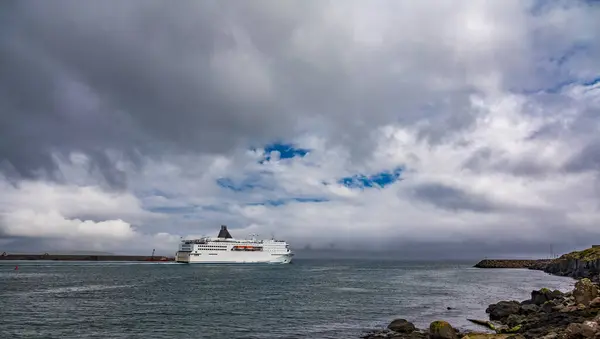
column 503, row 309
column 402, row 326
column 585, row 291
column 441, row 330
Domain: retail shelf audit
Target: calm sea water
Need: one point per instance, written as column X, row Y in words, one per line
column 308, row 299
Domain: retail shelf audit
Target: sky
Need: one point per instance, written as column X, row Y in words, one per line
column 413, row 128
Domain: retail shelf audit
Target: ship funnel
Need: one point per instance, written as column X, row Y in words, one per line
column 224, row 233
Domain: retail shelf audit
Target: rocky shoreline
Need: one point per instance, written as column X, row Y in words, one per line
column 546, row 315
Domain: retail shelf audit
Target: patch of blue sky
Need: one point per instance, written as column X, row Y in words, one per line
column 560, row 86
column 286, row 151
column 377, row 180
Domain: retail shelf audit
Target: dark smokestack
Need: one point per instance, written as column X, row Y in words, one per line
column 224, row 233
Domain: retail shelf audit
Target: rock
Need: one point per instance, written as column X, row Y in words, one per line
column 414, row 335
column 548, row 306
column 526, row 302
column 515, row 319
column 595, row 303
column 402, row 326
column 585, row 291
column 588, row 329
column 544, row 295
column 529, row 309
column 503, row 309
column 540, row 297
column 494, row 326
column 556, row 294
column 441, row 330
column 491, row 336
column 569, row 308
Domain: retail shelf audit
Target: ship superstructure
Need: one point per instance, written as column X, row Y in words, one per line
column 226, row 249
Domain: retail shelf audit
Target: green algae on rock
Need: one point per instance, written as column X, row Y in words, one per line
column 440, row 329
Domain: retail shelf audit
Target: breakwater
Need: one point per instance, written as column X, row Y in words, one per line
column 83, row 257
column 513, row 263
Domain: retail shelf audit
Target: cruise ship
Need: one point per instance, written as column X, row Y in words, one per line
column 225, row 249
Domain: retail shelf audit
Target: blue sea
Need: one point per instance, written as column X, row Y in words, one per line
column 307, row 299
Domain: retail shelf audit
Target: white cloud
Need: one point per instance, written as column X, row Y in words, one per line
column 453, row 93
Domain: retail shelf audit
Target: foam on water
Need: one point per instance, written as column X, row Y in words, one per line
column 74, row 289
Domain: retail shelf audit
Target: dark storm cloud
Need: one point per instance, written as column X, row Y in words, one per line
column 119, row 75
column 205, row 77
column 451, row 198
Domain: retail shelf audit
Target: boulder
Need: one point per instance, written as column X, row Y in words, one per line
column 585, row 291
column 402, row 326
column 441, row 330
column 544, row 295
column 540, row 297
column 503, row 309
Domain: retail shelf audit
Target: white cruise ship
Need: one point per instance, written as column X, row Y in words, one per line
column 225, row 249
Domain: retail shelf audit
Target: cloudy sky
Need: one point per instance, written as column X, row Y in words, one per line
column 434, row 128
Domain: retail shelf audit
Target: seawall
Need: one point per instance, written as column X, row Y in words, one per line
column 513, row 263
column 83, row 257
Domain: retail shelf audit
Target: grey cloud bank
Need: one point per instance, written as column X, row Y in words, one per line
column 491, row 107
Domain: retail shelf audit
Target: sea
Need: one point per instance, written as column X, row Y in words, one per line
column 311, row 298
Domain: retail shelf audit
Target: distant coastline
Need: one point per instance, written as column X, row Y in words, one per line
column 82, row 257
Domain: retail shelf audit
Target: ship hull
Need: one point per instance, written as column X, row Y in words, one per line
column 234, row 258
